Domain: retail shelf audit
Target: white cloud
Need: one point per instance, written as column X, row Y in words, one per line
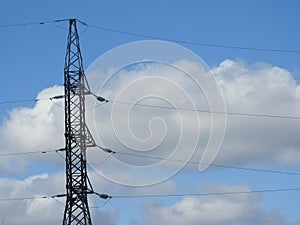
column 219, row 209
column 258, row 88
column 261, row 89
column 41, row 211
column 28, row 128
column 32, row 129
column 34, row 211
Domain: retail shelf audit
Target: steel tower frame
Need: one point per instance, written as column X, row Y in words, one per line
column 77, row 134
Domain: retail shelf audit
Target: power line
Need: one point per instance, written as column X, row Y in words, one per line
column 208, row 111
column 31, row 100
column 24, row 198
column 191, row 42
column 213, row 164
column 108, row 197
column 32, row 23
column 100, row 206
column 49, row 197
column 209, row 193
column 140, row 35
column 194, row 162
column 30, row 153
column 20, row 101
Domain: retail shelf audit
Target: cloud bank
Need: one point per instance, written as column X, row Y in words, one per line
column 258, row 88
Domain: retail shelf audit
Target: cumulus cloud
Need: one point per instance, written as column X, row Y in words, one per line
column 36, row 211
column 250, row 89
column 32, row 129
column 50, row 210
column 258, row 88
column 219, row 209
column 41, row 210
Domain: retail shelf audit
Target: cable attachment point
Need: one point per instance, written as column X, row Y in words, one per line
column 103, row 196
column 59, row 196
column 107, row 150
column 101, row 99
column 57, row 97
column 60, row 150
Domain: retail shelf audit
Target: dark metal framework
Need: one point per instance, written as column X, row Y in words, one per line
column 77, row 135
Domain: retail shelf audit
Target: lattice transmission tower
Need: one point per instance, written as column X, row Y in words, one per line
column 77, row 134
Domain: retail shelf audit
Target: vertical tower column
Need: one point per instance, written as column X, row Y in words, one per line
column 77, row 135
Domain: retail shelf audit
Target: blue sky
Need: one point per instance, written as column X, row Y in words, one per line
column 32, row 60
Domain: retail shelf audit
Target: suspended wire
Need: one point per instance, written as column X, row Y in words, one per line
column 31, row 152
column 96, row 106
column 32, row 23
column 190, row 42
column 209, row 193
column 107, row 198
column 103, row 161
column 61, row 28
column 24, row 198
column 101, row 206
column 60, row 155
column 55, row 103
column 59, row 202
column 207, row 111
column 212, row 164
column 30, row 198
column 21, row 100
column 140, row 35
column 198, row 163
column 32, row 100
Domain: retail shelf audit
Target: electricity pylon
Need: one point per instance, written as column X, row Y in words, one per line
column 77, row 135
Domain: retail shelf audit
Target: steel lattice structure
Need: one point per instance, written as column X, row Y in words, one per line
column 77, row 134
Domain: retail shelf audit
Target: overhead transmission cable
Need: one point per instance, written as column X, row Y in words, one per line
column 23, row 198
column 30, row 152
column 140, row 35
column 190, row 42
column 104, row 101
column 32, row 100
column 209, row 193
column 207, row 111
column 22, row 100
column 111, row 152
column 32, row 23
column 107, row 197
